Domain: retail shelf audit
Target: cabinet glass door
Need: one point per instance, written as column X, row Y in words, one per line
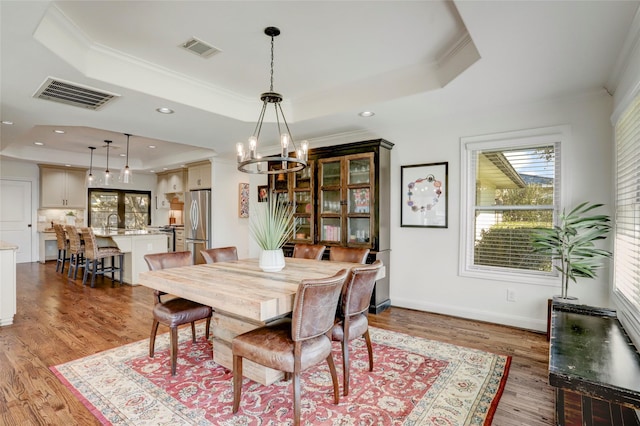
column 330, row 173
column 330, row 229
column 359, row 199
column 302, row 229
column 359, row 171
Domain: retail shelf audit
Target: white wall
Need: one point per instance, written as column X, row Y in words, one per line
column 227, row 228
column 424, row 261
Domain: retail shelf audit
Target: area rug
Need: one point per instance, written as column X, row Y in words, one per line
column 415, row 382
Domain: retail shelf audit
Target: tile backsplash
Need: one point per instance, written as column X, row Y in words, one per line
column 48, row 216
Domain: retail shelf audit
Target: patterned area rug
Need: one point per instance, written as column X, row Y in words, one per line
column 415, row 382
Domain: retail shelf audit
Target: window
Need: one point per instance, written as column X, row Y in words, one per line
column 627, row 223
column 129, row 209
column 511, row 185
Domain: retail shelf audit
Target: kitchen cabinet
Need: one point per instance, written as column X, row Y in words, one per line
column 179, row 235
column 199, row 176
column 161, row 188
column 62, row 187
column 342, row 198
column 176, row 181
column 170, row 182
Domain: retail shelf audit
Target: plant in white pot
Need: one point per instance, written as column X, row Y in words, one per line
column 271, row 226
column 571, row 242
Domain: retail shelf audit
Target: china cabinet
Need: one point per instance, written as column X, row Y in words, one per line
column 342, row 199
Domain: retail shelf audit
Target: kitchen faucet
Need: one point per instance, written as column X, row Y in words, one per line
column 109, row 221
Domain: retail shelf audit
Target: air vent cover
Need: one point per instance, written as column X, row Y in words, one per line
column 199, row 47
column 74, row 94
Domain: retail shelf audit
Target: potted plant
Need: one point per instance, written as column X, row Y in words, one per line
column 271, row 226
column 571, row 242
column 70, row 217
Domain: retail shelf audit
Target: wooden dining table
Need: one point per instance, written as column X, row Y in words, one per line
column 243, row 298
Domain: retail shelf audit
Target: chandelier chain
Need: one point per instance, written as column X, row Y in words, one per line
column 271, row 86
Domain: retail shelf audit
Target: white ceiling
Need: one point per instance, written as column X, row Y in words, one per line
column 404, row 60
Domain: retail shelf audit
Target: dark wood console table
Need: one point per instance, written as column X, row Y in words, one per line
column 594, row 367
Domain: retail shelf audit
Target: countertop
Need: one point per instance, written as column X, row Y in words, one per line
column 7, row 246
column 105, row 233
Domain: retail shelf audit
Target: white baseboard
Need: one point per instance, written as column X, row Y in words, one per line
column 475, row 314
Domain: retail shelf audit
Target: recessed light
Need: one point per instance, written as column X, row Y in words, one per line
column 58, row 131
column 38, row 143
column 152, row 171
column 152, row 146
column 67, row 165
column 183, row 165
column 7, row 122
column 165, row 168
column 367, row 114
column 164, row 110
column 123, row 155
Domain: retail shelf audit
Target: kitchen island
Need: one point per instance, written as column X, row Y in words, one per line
column 135, row 244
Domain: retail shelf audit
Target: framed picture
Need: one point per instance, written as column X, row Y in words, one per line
column 243, row 200
column 425, row 195
column 263, row 193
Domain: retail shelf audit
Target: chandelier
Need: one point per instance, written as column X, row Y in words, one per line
column 290, row 159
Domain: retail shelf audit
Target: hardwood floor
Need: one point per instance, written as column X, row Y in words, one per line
column 59, row 320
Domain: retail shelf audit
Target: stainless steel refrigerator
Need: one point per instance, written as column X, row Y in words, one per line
column 197, row 224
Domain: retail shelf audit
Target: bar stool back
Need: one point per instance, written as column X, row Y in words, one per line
column 95, row 256
column 63, row 247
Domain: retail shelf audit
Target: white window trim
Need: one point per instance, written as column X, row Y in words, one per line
column 522, row 138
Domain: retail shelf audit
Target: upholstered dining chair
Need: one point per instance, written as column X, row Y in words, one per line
column 295, row 344
column 95, row 256
column 308, row 251
column 76, row 250
column 177, row 311
column 220, row 254
column 351, row 316
column 63, row 247
column 348, row 254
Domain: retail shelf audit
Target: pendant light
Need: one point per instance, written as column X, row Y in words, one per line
column 251, row 161
column 107, row 175
column 126, row 175
column 91, row 179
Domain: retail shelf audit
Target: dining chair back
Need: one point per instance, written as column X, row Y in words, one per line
column 293, row 345
column 95, row 258
column 177, row 311
column 308, row 251
column 220, row 254
column 348, row 254
column 63, row 247
column 351, row 317
column 76, row 250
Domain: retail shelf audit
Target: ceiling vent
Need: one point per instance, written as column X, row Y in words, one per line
column 74, row 94
column 199, row 47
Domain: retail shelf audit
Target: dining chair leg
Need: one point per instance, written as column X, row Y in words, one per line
column 334, row 379
column 174, row 349
column 345, row 364
column 237, row 382
column 193, row 331
column 367, row 338
column 296, row 398
column 152, row 338
column 208, row 328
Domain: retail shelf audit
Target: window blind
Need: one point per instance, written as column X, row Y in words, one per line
column 627, row 209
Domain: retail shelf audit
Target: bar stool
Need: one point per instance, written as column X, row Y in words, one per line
column 76, row 248
column 94, row 258
column 63, row 246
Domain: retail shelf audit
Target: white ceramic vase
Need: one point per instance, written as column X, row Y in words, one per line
column 271, row 260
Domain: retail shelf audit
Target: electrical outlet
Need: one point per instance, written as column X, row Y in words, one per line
column 511, row 295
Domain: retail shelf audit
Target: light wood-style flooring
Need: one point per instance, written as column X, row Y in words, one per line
column 59, row 320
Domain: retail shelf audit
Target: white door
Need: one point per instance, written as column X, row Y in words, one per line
column 15, row 216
